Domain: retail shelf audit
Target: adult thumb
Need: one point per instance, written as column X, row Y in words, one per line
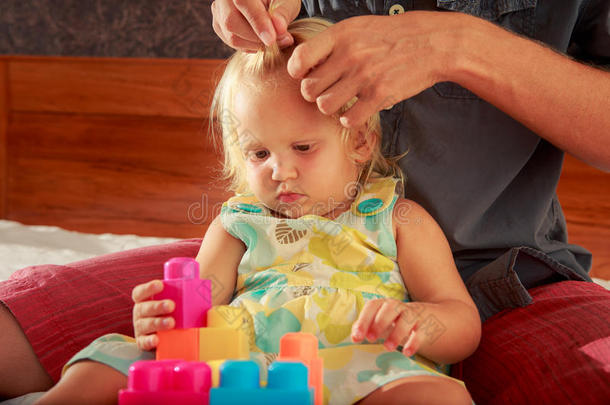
column 282, row 13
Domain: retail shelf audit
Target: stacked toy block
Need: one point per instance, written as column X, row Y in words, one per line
column 157, row 382
column 208, row 348
column 201, row 332
column 240, row 384
column 303, row 347
column 167, row 382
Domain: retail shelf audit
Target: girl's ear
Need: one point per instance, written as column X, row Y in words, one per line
column 364, row 145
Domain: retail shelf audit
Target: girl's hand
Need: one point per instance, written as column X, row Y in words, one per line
column 392, row 318
column 247, row 25
column 148, row 315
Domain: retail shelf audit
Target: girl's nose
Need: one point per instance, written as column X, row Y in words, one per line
column 283, row 170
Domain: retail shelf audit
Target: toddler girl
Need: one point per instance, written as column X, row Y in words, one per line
column 317, row 239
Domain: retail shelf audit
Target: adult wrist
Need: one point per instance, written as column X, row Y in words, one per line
column 474, row 47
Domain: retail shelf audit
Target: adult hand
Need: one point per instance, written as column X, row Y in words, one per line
column 389, row 319
column 247, row 24
column 380, row 59
column 149, row 315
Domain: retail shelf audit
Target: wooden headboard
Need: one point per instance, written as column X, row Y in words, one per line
column 109, row 145
column 121, row 145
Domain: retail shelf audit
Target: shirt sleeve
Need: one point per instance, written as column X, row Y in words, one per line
column 590, row 40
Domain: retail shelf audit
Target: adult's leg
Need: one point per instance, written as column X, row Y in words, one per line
column 553, row 351
column 419, row 390
column 25, row 373
column 61, row 309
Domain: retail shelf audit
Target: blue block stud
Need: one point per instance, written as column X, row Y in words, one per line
column 239, row 384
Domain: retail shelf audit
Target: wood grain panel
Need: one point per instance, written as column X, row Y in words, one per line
column 584, row 193
column 3, row 135
column 173, row 88
column 150, row 176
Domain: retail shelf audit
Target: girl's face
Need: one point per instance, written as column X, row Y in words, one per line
column 296, row 163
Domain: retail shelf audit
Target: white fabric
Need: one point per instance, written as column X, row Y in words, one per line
column 23, row 245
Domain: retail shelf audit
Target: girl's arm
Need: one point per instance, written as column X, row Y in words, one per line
column 218, row 258
column 442, row 322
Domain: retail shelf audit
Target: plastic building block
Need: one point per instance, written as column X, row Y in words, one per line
column 208, row 343
column 239, row 384
column 222, row 343
column 192, row 295
column 182, row 344
column 300, row 346
column 167, row 382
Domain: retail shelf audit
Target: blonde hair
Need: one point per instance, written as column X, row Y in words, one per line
column 260, row 65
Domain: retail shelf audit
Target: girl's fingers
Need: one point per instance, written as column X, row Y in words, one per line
column 363, row 323
column 146, row 326
column 143, row 292
column 412, row 345
column 384, row 319
column 401, row 331
column 148, row 342
column 148, row 309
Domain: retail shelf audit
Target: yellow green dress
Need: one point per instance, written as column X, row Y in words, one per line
column 311, row 274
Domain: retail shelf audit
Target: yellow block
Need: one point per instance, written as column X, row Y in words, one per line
column 222, row 343
column 215, row 366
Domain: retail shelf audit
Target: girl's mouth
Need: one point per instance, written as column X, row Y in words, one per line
column 289, row 197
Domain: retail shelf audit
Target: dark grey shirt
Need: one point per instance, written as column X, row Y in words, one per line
column 489, row 181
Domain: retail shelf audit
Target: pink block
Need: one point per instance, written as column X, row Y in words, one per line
column 167, row 382
column 192, row 295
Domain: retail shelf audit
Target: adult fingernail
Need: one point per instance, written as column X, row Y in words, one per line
column 284, row 41
column 267, row 38
column 282, row 22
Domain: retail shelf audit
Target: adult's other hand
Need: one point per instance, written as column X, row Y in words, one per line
column 248, row 24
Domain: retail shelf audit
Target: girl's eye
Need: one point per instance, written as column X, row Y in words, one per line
column 302, row 148
column 260, row 154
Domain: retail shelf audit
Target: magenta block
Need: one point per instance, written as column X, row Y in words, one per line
column 193, row 296
column 167, row 382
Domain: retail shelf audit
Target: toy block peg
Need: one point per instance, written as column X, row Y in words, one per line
column 300, row 346
column 167, row 382
column 240, row 384
column 191, row 295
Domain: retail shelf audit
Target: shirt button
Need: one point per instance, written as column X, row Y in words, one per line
column 370, row 205
column 396, row 9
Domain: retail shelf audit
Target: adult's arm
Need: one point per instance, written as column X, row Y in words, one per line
column 386, row 59
column 562, row 100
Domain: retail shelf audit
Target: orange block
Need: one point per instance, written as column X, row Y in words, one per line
column 303, row 347
column 178, row 344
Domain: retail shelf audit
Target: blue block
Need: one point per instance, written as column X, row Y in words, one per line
column 240, row 384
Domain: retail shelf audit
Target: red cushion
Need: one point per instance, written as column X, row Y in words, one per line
column 554, row 351
column 62, row 309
